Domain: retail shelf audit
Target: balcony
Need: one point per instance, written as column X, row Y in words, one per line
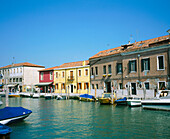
column 70, row 78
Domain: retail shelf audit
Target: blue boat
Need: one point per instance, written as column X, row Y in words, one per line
column 4, row 130
column 12, row 114
column 86, row 97
column 121, row 101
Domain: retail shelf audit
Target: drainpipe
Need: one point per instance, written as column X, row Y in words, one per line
column 168, row 60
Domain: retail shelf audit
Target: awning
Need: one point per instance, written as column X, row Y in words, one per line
column 12, row 85
column 43, row 84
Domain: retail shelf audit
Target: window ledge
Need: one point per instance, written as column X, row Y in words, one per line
column 160, row 69
column 133, row 72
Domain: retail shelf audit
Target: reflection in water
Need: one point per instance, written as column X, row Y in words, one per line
column 75, row 119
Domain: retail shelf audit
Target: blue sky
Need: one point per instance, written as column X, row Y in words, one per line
column 53, row 32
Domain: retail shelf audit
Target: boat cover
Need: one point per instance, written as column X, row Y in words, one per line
column 87, row 96
column 10, row 112
column 4, row 129
column 121, row 100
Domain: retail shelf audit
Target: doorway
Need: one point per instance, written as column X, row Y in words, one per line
column 108, row 87
column 72, row 88
column 133, row 88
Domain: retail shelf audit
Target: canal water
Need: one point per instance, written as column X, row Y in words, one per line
column 74, row 119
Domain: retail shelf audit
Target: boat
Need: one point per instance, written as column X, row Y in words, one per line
column 14, row 95
column 48, row 96
column 36, row 95
column 60, row 97
column 5, row 131
column 161, row 102
column 12, row 114
column 106, row 99
column 134, row 102
column 86, row 97
column 122, row 101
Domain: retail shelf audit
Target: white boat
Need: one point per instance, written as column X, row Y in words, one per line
column 36, row 95
column 162, row 102
column 135, row 102
column 48, row 96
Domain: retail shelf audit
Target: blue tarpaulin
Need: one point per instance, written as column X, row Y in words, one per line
column 4, row 129
column 87, row 96
column 10, row 112
column 1, row 85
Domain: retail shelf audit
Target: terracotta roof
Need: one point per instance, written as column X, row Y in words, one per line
column 74, row 64
column 132, row 47
column 26, row 64
column 48, row 69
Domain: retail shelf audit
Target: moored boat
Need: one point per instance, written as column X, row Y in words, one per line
column 48, row 96
column 14, row 95
column 1, row 103
column 5, row 131
column 36, row 95
column 106, row 99
column 135, row 102
column 86, row 97
column 159, row 103
column 122, row 101
column 12, row 114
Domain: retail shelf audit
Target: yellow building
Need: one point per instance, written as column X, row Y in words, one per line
column 73, row 77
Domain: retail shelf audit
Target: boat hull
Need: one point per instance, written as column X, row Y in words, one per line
column 156, row 104
column 14, row 119
column 105, row 101
column 134, row 103
column 86, row 99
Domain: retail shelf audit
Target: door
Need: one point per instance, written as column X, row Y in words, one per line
column 133, row 87
column 71, row 75
column 71, row 88
column 108, row 87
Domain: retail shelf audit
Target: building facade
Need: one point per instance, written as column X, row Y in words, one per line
column 20, row 77
column 72, row 77
column 46, row 80
column 139, row 69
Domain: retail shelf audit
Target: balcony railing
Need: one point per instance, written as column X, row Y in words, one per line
column 70, row 78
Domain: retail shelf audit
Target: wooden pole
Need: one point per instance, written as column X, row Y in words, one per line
column 112, row 91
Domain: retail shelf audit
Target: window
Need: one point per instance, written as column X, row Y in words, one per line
column 20, row 79
column 14, row 70
column 97, row 87
column 119, row 68
column 17, row 70
column 10, row 80
column 56, row 86
column 16, row 79
column 79, row 86
column 92, row 86
column 42, row 74
column 147, row 85
column 160, row 62
column 56, row 74
column 86, row 72
column 132, row 66
column 63, row 74
column 21, row 70
column 104, row 69
column 109, row 69
column 96, row 71
column 0, row 71
column 79, row 73
column 145, row 64
column 86, row 86
column 51, row 75
column 92, row 71
column 161, row 85
column 120, row 86
column 13, row 80
column 63, row 86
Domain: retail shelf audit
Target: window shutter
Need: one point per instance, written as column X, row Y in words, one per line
column 117, row 68
column 142, row 65
column 129, row 66
column 84, row 86
column 148, row 63
column 135, row 65
column 77, row 86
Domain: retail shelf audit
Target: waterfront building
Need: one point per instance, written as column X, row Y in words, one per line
column 73, row 77
column 46, row 80
column 20, row 77
column 136, row 69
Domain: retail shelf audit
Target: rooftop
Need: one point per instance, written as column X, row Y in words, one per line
column 25, row 64
column 132, row 47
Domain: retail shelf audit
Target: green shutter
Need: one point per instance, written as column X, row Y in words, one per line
column 135, row 65
column 142, row 65
column 129, row 66
column 148, row 63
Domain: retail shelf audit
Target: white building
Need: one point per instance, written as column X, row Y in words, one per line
column 19, row 77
